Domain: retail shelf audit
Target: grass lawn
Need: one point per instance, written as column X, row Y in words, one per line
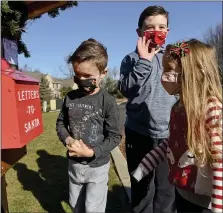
column 39, row 181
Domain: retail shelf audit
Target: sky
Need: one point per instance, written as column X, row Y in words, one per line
column 114, row 24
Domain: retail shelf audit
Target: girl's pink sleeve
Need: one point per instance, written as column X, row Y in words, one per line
column 214, row 126
column 151, row 161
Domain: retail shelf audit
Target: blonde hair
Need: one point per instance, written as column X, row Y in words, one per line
column 200, row 81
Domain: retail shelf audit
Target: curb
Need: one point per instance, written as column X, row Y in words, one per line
column 57, row 110
column 122, row 170
column 122, row 102
column 121, row 166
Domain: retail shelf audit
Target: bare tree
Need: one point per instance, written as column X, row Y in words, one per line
column 213, row 37
column 66, row 71
column 113, row 73
column 25, row 68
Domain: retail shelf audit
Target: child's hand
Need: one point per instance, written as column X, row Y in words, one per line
column 80, row 150
column 69, row 141
column 143, row 49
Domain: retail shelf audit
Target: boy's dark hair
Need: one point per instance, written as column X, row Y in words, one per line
column 152, row 11
column 90, row 50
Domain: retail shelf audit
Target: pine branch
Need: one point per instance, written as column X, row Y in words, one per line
column 22, row 49
column 14, row 19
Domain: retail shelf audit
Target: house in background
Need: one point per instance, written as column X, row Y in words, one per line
column 55, row 84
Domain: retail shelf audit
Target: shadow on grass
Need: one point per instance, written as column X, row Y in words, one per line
column 117, row 200
column 50, row 184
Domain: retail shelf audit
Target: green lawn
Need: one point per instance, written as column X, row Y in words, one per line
column 39, row 181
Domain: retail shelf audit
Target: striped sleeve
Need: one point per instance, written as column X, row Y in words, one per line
column 214, row 126
column 151, row 161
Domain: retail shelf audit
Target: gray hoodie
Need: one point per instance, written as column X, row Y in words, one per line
column 149, row 105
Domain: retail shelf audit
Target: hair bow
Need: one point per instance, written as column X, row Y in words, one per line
column 179, row 50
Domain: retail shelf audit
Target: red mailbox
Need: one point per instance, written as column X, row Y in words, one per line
column 21, row 108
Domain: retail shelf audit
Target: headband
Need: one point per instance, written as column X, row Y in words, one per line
column 179, row 50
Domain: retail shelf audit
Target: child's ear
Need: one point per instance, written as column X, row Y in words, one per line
column 168, row 29
column 104, row 73
column 139, row 33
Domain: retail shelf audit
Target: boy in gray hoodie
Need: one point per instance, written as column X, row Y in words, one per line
column 148, row 111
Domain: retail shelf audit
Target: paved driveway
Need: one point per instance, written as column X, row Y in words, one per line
column 122, row 113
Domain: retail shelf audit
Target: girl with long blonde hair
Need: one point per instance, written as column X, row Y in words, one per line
column 194, row 148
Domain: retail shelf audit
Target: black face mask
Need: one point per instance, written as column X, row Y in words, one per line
column 86, row 85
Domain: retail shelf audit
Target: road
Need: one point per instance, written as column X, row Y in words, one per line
column 122, row 113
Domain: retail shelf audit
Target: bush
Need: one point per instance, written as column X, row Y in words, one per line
column 110, row 85
column 47, row 109
column 48, row 106
column 120, row 95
